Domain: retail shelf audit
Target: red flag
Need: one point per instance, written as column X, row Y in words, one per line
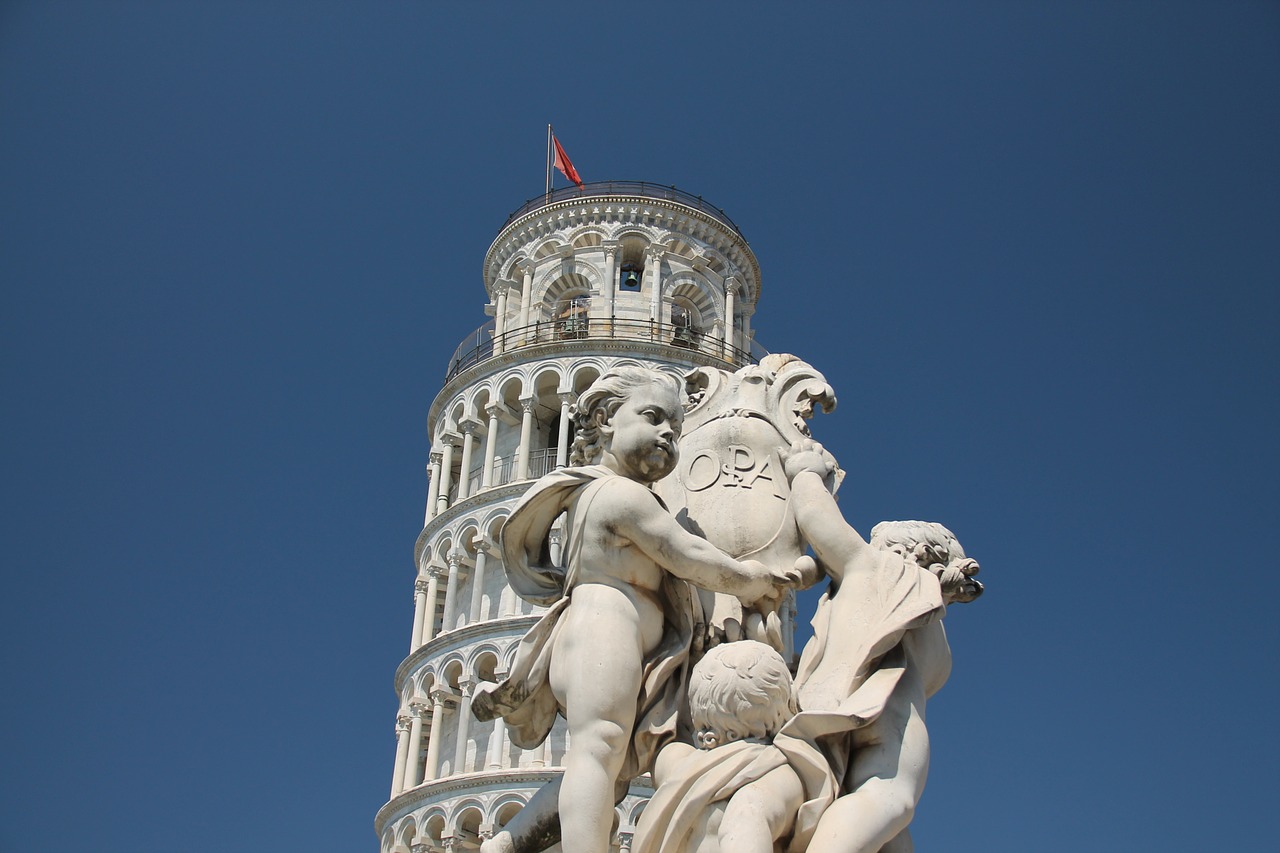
column 563, row 163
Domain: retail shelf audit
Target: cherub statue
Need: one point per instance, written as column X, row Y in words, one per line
column 878, row 652
column 607, row 653
column 736, row 792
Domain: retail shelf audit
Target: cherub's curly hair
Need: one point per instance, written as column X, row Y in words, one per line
column 739, row 690
column 606, row 395
column 928, row 541
column 932, row 547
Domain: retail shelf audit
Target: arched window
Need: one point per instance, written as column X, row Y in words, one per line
column 686, row 324
column 571, row 317
column 630, row 276
column 631, row 266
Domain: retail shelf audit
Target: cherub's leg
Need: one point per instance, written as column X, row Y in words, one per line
column 886, row 779
column 598, row 684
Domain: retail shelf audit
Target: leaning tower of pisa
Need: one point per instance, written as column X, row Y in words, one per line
column 577, row 281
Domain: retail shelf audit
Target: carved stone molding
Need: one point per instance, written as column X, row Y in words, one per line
column 505, row 630
column 497, row 781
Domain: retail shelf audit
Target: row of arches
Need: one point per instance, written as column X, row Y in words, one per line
column 437, row 736
column 513, row 425
column 461, row 823
column 629, row 281
column 633, row 245
column 654, row 290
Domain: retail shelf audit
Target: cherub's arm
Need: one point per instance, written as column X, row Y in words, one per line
column 760, row 813
column 833, row 539
column 824, row 528
column 633, row 514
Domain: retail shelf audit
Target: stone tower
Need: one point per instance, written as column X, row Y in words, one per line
column 577, row 282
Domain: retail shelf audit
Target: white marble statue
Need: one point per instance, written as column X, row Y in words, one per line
column 608, row 653
column 845, row 773
column 735, row 792
column 878, row 652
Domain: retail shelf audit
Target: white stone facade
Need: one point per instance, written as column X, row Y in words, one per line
column 578, row 282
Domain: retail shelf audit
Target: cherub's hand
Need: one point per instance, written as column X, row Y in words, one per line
column 773, row 583
column 809, row 570
column 958, row 583
column 808, row 455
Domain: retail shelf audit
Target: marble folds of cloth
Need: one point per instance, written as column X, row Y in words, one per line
column 707, row 777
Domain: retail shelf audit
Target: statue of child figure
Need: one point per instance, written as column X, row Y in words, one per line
column 610, row 651
column 878, row 652
column 736, row 792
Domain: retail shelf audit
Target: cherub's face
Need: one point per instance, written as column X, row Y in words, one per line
column 640, row 438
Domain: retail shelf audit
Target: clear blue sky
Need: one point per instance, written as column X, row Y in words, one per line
column 1034, row 246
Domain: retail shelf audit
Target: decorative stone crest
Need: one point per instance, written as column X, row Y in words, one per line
column 729, row 486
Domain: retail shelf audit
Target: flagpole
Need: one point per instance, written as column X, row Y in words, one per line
column 548, row 198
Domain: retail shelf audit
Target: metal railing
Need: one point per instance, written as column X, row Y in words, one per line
column 625, row 188
column 541, row 462
column 483, row 344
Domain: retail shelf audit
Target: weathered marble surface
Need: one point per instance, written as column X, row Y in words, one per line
column 744, row 759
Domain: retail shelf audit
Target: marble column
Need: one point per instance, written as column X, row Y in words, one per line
column 497, row 744
column 411, row 777
column 446, row 476
column 403, row 725
column 433, row 488
column 477, row 583
column 506, row 601
column 624, row 842
column 451, row 593
column 555, row 538
column 420, row 592
column 730, row 325
column 500, row 317
column 787, row 614
column 538, row 755
column 526, row 296
column 526, row 437
column 432, row 769
column 433, row 603
column 464, row 726
column 562, row 440
column 653, row 267
column 610, row 287
column 468, row 446
column 490, row 447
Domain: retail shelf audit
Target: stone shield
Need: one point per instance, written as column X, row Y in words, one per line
column 729, row 485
